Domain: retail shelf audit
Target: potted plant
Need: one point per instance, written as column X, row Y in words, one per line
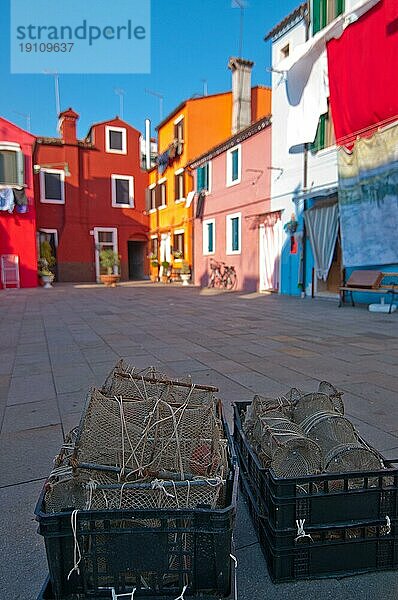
column 185, row 273
column 165, row 271
column 177, row 254
column 153, row 261
column 46, row 276
column 110, row 261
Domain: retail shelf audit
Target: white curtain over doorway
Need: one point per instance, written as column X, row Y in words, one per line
column 322, row 223
column 270, row 248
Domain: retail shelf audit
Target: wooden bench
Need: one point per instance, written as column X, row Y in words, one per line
column 369, row 282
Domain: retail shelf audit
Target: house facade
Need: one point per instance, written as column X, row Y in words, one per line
column 17, row 207
column 196, row 125
column 305, row 180
column 232, row 181
column 90, row 195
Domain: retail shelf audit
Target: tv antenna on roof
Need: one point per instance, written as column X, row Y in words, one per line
column 161, row 98
column 120, row 92
column 241, row 4
column 25, row 116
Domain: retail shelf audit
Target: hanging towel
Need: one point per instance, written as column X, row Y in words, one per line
column 7, row 199
column 20, row 198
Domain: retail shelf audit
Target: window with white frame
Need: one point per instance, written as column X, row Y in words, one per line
column 178, row 243
column 209, row 236
column 116, row 140
column 122, row 191
column 234, row 233
column 179, row 187
column 203, row 177
column 11, row 164
column 234, row 165
column 52, row 186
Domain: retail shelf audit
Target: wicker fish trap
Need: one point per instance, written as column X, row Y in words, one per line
column 95, row 490
column 282, row 445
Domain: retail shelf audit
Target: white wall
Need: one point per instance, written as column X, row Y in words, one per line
column 322, row 166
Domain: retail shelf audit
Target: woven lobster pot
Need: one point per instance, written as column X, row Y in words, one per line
column 282, row 446
column 125, row 380
column 116, row 432
column 335, row 395
column 329, row 430
column 352, row 457
column 310, row 404
column 97, row 490
column 145, row 437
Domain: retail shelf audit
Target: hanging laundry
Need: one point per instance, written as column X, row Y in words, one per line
column 20, row 198
column 7, row 199
column 306, row 77
column 163, row 161
column 363, row 66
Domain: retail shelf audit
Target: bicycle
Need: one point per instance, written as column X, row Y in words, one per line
column 215, row 275
column 229, row 277
column 222, row 276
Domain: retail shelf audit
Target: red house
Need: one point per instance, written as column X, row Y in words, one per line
column 18, row 258
column 90, row 195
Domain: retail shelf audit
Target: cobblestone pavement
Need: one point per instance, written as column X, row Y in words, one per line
column 56, row 343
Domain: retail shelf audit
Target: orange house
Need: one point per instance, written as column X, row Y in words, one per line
column 196, row 125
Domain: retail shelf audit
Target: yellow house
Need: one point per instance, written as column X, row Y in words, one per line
column 194, row 126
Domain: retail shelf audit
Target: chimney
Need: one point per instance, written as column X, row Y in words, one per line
column 67, row 125
column 241, row 92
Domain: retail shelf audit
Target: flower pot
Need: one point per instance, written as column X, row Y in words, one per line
column 154, row 278
column 185, row 277
column 110, row 280
column 47, row 280
column 165, row 279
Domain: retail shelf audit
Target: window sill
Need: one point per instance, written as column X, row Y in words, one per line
column 117, row 205
column 48, row 201
column 151, row 211
column 110, row 151
column 179, row 200
column 231, row 183
column 232, row 252
column 208, row 253
column 162, row 207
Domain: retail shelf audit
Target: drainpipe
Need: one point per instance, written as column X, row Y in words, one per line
column 305, row 173
column 191, row 175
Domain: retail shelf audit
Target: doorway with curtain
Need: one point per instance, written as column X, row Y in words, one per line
column 322, row 227
column 270, row 232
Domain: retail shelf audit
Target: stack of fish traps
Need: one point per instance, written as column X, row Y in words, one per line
column 144, row 441
column 322, row 501
column 302, row 434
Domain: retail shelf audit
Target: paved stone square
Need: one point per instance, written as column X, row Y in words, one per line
column 56, row 343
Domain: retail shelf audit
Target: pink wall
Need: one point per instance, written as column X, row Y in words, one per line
column 18, row 231
column 250, row 197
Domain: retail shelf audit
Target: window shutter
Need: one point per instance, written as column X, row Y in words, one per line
column 157, row 196
column 340, row 7
column 316, row 16
column 210, row 240
column 199, row 182
column 148, row 199
column 235, row 160
column 235, row 234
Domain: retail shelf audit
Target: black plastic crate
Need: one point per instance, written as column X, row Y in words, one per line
column 333, row 551
column 324, row 499
column 157, row 551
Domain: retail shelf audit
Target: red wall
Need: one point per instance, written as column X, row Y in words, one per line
column 18, row 231
column 88, row 201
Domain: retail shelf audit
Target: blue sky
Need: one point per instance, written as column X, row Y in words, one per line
column 191, row 40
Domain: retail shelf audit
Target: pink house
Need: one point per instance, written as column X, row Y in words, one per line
column 232, row 207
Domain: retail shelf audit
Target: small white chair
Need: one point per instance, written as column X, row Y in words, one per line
column 10, row 271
